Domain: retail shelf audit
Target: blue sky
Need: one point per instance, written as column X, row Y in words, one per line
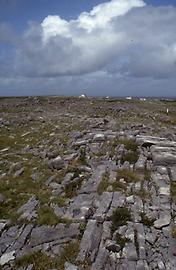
column 19, row 12
column 136, row 48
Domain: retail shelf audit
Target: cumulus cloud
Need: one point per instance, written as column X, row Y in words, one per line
column 118, row 40
column 78, row 46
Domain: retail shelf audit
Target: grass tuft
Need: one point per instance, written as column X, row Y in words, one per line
column 120, row 217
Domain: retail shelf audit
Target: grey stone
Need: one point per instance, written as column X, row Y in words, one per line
column 28, row 210
column 46, row 234
column 70, row 266
column 141, row 240
column 162, row 170
column 129, row 252
column 30, row 267
column 67, row 179
column 104, row 204
column 19, row 172
column 163, row 156
column 165, row 191
column 130, row 199
column 99, row 137
column 91, row 185
column 151, row 140
column 173, row 173
column 163, row 221
column 142, row 265
column 161, row 266
column 141, row 163
column 3, row 224
column 7, row 257
column 56, row 163
column 90, row 241
column 100, row 259
column 20, row 241
column 112, row 246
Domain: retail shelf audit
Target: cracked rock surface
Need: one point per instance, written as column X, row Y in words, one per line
column 87, row 184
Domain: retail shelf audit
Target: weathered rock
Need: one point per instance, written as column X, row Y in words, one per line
column 173, row 173
column 98, row 138
column 3, row 224
column 163, row 156
column 19, row 172
column 141, row 163
column 7, row 257
column 129, row 252
column 112, row 246
column 165, row 191
column 162, row 222
column 46, row 234
column 56, row 163
column 100, row 259
column 70, row 266
column 90, row 241
column 28, row 210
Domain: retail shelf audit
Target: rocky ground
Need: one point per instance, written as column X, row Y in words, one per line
column 87, row 184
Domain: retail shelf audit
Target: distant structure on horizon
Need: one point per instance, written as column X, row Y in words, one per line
column 142, row 99
column 129, row 98
column 82, row 96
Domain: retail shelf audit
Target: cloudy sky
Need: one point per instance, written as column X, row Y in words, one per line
column 96, row 47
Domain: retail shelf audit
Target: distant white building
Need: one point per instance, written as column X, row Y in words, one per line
column 129, row 98
column 82, row 96
column 143, row 99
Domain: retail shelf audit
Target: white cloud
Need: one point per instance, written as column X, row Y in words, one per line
column 59, row 47
column 116, row 40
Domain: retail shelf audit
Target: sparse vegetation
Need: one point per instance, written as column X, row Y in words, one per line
column 103, row 185
column 130, row 156
column 41, row 261
column 120, row 217
column 174, row 231
column 121, row 241
column 72, row 187
column 173, row 191
column 128, row 175
column 146, row 221
column 46, row 215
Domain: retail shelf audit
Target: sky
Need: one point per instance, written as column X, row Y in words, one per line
column 93, row 47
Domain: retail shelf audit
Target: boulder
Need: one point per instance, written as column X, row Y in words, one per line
column 56, row 163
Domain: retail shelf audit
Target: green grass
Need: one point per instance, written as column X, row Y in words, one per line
column 173, row 191
column 174, row 231
column 128, row 175
column 146, row 221
column 121, row 241
column 72, row 188
column 18, row 190
column 120, row 217
column 103, row 185
column 129, row 144
column 118, row 186
column 41, row 261
column 147, row 175
column 46, row 215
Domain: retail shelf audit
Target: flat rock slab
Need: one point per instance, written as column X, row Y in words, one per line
column 151, row 140
column 90, row 241
column 46, row 234
column 7, row 257
column 162, row 222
